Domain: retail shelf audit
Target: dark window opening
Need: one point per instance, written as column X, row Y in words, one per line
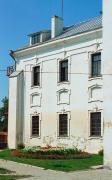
column 63, row 125
column 35, row 39
column 95, row 124
column 96, row 65
column 63, row 75
column 35, row 125
column 36, row 76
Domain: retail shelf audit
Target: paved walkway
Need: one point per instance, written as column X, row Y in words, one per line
column 41, row 174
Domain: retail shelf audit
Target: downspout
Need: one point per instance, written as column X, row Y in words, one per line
column 11, row 53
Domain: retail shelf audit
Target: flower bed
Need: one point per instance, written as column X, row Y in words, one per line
column 50, row 153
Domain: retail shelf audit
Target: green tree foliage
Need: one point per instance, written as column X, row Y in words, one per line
column 4, row 115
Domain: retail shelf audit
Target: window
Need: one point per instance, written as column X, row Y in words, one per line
column 35, row 39
column 36, row 76
column 35, row 125
column 96, row 65
column 63, row 67
column 63, row 125
column 95, row 124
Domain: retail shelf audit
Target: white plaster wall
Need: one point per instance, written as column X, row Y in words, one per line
column 78, row 53
column 107, row 69
column 16, row 111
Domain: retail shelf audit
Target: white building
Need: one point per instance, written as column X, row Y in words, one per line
column 107, row 81
column 56, row 93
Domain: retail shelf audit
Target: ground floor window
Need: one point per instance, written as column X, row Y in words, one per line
column 95, row 124
column 63, row 125
column 35, row 126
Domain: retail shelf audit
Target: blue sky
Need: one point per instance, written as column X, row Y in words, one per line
column 18, row 18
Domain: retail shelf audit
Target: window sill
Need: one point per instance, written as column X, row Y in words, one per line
column 90, row 101
column 62, row 137
column 35, row 106
column 94, row 78
column 63, row 82
column 95, row 137
column 32, row 87
column 33, row 137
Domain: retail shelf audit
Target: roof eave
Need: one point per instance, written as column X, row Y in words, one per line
column 54, row 41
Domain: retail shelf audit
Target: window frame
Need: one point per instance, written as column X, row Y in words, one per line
column 93, row 75
column 38, row 84
column 36, row 135
column 90, row 132
column 69, row 70
column 35, row 39
column 68, row 125
column 62, row 73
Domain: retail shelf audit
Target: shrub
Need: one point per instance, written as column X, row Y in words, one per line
column 101, row 152
column 20, row 146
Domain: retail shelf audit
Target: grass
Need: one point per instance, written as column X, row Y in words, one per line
column 11, row 177
column 61, row 165
column 5, row 171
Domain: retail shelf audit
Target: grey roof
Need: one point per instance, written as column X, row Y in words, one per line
column 82, row 27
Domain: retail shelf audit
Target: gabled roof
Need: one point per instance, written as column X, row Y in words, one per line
column 82, row 27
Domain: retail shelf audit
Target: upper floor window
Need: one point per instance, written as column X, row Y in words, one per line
column 63, row 125
column 95, row 124
column 35, row 125
column 96, row 65
column 35, row 39
column 63, row 67
column 36, row 76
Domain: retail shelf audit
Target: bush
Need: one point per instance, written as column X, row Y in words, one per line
column 20, row 146
column 50, row 153
column 101, row 152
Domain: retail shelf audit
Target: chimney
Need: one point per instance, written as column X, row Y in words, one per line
column 56, row 26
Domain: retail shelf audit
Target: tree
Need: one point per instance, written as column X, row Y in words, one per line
column 4, row 115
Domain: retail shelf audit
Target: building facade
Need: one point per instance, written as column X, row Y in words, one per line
column 56, row 91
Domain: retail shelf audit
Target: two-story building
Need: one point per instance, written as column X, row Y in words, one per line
column 56, row 91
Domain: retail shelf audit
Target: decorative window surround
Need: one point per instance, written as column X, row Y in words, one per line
column 36, row 64
column 69, row 118
column 69, row 70
column 37, row 97
column 65, row 95
column 102, row 127
column 90, row 53
column 99, row 94
column 39, row 115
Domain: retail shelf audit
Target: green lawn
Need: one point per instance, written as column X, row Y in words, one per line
column 5, row 171
column 61, row 165
column 12, row 177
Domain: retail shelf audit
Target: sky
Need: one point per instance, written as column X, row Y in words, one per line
column 18, row 18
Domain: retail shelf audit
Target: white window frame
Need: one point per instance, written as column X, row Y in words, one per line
column 69, row 70
column 69, row 118
column 36, row 136
column 90, row 64
column 102, row 128
column 32, row 67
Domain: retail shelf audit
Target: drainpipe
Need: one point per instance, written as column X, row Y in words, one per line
column 11, row 53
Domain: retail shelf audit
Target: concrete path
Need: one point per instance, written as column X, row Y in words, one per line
column 41, row 174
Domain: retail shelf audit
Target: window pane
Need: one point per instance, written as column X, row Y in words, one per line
column 95, row 124
column 96, row 64
column 63, row 125
column 35, row 125
column 63, row 71
column 36, row 76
